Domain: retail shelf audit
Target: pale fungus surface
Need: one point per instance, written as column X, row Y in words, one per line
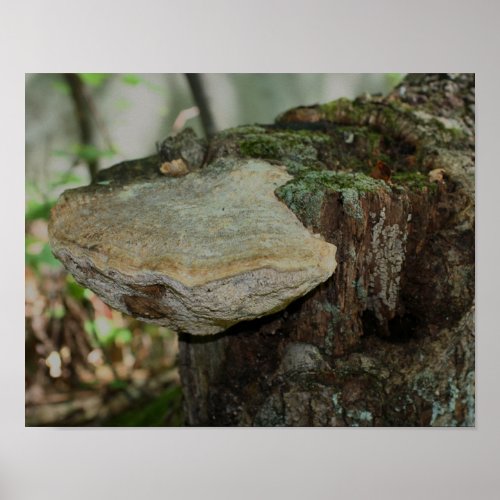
column 197, row 253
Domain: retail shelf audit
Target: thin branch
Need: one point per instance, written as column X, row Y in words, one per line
column 200, row 97
column 83, row 117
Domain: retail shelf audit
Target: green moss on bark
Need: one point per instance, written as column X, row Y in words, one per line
column 398, row 120
column 295, row 149
column 415, row 181
column 335, row 147
column 305, row 194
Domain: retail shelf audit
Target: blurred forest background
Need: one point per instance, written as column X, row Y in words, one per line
column 87, row 364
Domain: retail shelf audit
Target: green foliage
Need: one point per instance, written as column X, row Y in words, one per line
column 94, row 79
column 74, row 289
column 131, row 79
column 61, row 87
column 416, row 181
column 121, row 335
column 79, row 309
column 86, row 152
column 394, row 78
column 65, row 179
column 105, row 332
column 89, row 152
column 164, row 410
column 38, row 210
column 38, row 254
column 118, row 384
column 135, row 80
column 57, row 312
column 38, row 204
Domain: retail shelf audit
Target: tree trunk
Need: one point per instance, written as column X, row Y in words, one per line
column 388, row 340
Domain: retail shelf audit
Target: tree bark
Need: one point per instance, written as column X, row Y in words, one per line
column 388, row 340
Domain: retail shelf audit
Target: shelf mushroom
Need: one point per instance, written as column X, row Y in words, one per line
column 197, row 253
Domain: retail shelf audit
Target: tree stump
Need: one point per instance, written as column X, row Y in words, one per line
column 378, row 191
column 388, row 340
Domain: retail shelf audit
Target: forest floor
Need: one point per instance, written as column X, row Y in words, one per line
column 86, row 364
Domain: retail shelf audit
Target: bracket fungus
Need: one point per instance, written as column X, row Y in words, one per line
column 197, row 253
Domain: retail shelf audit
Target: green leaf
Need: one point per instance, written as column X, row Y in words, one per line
column 86, row 152
column 122, row 336
column 36, row 210
column 89, row 327
column 394, row 78
column 66, row 178
column 74, row 289
column 113, row 335
column 61, row 87
column 118, row 384
column 94, row 79
column 89, row 153
column 47, row 257
column 131, row 79
column 57, row 312
column 37, row 259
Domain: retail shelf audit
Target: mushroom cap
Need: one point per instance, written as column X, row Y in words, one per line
column 197, row 253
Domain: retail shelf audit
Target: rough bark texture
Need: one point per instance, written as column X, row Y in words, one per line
column 388, row 340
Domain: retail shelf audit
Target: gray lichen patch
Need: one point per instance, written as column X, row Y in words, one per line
column 352, row 207
column 388, row 255
column 198, row 253
column 300, row 357
column 353, row 417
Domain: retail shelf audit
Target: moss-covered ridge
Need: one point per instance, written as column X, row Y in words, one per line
column 414, row 181
column 330, row 147
column 335, row 149
column 395, row 119
column 306, row 192
column 349, row 136
column 296, row 149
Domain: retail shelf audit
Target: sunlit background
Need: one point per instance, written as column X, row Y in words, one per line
column 87, row 364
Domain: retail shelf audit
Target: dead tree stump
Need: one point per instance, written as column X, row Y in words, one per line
column 320, row 270
column 388, row 340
